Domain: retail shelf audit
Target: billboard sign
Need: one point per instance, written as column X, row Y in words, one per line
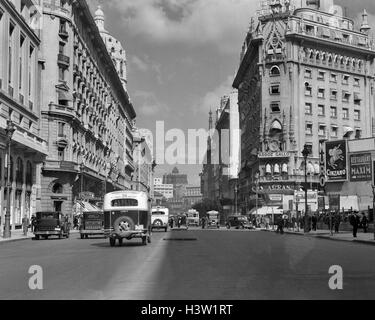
column 336, row 161
column 360, row 167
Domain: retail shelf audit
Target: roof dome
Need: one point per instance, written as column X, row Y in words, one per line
column 99, row 14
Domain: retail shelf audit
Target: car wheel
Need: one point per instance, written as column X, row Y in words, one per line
column 112, row 242
column 37, row 237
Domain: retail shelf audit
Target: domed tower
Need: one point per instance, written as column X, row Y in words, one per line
column 114, row 47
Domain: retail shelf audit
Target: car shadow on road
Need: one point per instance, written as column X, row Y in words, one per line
column 124, row 244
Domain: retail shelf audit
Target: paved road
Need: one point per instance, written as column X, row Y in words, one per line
column 207, row 265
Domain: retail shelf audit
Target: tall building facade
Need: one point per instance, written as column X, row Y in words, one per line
column 164, row 189
column 87, row 116
column 20, row 109
column 221, row 173
column 305, row 76
column 143, row 177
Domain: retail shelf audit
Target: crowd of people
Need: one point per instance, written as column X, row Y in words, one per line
column 326, row 220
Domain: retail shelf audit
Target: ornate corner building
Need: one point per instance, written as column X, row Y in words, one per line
column 87, row 116
column 305, row 76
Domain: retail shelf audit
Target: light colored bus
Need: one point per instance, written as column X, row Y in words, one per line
column 193, row 218
column 159, row 218
column 127, row 215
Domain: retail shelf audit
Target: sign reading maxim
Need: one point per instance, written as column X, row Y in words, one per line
column 336, row 164
column 360, row 167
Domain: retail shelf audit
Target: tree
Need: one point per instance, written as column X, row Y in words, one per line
column 207, row 205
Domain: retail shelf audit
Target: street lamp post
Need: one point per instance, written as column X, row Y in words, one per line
column 257, row 174
column 9, row 133
column 305, row 153
column 81, row 167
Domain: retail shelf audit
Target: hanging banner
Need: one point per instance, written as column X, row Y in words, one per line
column 336, row 161
column 360, row 167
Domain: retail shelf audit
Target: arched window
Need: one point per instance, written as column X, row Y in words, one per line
column 57, row 188
column 285, row 168
column 275, row 71
column 276, row 169
column 268, row 169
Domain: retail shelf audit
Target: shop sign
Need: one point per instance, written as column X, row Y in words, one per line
column 360, row 167
column 279, row 154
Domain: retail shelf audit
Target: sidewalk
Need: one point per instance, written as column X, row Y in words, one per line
column 17, row 235
column 366, row 238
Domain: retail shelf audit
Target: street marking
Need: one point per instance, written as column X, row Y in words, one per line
column 36, row 280
column 336, row 281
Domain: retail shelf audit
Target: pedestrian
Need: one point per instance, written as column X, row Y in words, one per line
column 25, row 224
column 337, row 221
column 179, row 222
column 354, row 221
column 280, row 226
column 314, row 221
column 33, row 223
column 75, row 222
column 364, row 222
column 203, row 222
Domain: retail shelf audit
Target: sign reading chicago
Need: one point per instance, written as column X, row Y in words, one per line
column 360, row 167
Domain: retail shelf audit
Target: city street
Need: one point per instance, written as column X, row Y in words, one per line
column 193, row 264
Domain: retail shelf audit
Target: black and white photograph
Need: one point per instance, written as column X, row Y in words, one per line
column 205, row 152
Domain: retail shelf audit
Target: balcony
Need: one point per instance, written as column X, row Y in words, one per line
column 63, row 33
column 63, row 60
column 65, row 166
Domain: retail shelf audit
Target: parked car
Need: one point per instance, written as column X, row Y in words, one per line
column 213, row 219
column 51, row 224
column 92, row 223
column 238, row 222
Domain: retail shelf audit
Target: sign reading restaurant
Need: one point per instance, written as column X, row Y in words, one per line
column 336, row 164
column 360, row 167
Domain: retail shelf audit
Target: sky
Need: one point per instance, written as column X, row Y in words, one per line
column 183, row 55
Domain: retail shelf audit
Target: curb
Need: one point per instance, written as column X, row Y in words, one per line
column 368, row 242
column 28, row 238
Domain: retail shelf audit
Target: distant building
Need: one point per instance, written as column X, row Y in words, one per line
column 175, row 178
column 165, row 189
column 192, row 196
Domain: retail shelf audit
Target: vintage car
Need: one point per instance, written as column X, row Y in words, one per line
column 92, row 224
column 51, row 224
column 159, row 218
column 127, row 215
column 213, row 219
column 193, row 218
column 238, row 222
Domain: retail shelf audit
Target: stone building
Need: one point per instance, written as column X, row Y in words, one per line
column 143, row 177
column 20, row 106
column 306, row 75
column 87, row 116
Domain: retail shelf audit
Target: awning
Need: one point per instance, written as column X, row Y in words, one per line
column 262, row 211
column 65, row 96
column 347, row 130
